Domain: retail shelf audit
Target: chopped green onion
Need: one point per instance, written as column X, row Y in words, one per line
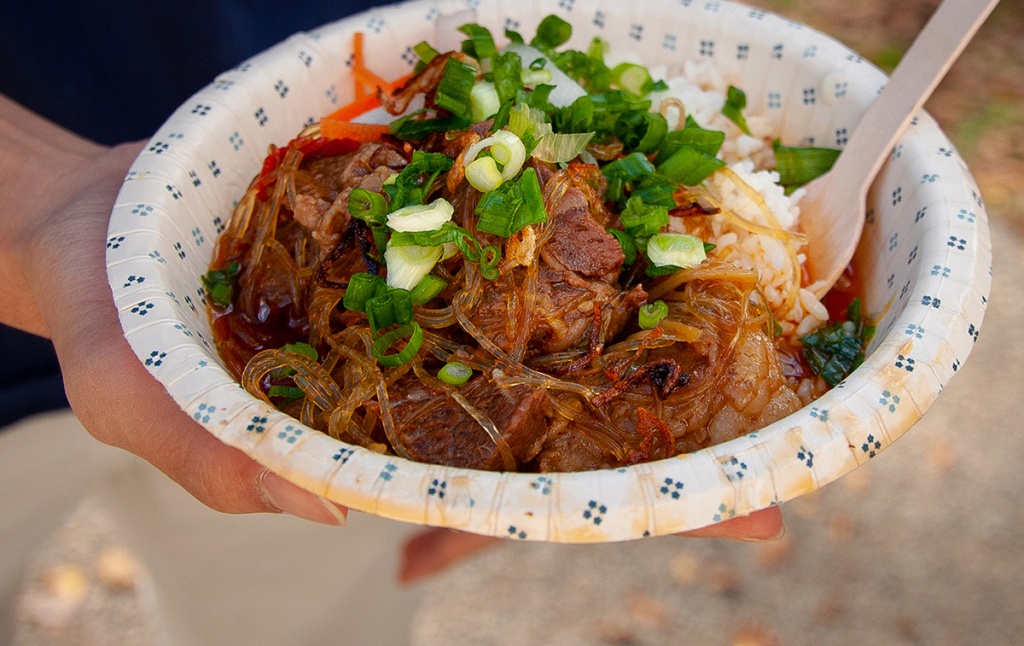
column 480, row 44
column 586, row 68
column 551, row 32
column 220, row 283
column 427, row 290
column 655, row 190
column 455, row 373
column 532, row 78
column 506, row 68
column 484, row 101
column 651, row 314
column 506, row 149
column 835, row 350
column 409, row 185
column 735, row 102
column 627, row 243
column 421, row 217
column 641, row 220
column 425, row 52
column 641, row 131
column 411, row 333
column 407, row 265
column 483, row 174
column 393, row 306
column 415, row 126
column 633, row 78
column 490, row 258
column 798, row 165
column 557, row 148
column 304, row 349
column 708, row 142
column 455, row 87
column 629, row 167
column 367, row 206
column 286, row 392
column 361, row 288
column 689, row 166
column 676, row 250
column 512, row 206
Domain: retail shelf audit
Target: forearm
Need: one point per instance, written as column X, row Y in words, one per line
column 41, row 168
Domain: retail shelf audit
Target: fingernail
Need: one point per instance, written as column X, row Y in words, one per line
column 290, row 499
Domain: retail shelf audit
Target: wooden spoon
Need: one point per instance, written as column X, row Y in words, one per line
column 832, row 213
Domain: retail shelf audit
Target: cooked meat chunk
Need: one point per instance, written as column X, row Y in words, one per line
column 321, row 205
column 436, row 429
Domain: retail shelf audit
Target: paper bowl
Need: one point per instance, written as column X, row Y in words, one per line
column 924, row 259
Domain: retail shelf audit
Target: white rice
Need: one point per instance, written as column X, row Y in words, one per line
column 702, row 89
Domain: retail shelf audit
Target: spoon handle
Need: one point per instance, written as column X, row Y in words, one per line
column 930, row 56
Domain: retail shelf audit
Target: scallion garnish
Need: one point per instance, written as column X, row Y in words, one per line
column 708, row 142
column 367, row 206
column 286, row 392
column 425, row 52
column 627, row 243
column 689, row 166
column 304, row 349
column 417, row 125
column 220, row 283
column 483, row 174
column 641, row 220
column 427, row 290
column 641, row 131
column 512, row 206
column 484, row 101
column 393, row 306
column 798, row 165
column 480, row 44
column 455, row 373
column 735, row 102
column 411, row 333
column 835, row 350
column 680, row 250
column 506, row 68
column 408, row 264
column 455, row 88
column 410, row 183
column 633, row 78
column 421, row 217
column 361, row 288
column 551, row 32
column 651, row 314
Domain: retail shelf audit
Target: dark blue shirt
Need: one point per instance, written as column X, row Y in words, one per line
column 113, row 71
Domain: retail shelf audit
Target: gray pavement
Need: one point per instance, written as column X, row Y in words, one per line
column 921, row 546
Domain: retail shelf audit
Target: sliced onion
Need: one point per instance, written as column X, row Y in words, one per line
column 408, row 264
column 675, row 249
column 506, row 148
column 421, row 217
column 562, row 147
column 483, row 174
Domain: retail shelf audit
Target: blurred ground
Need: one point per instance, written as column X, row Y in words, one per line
column 919, row 547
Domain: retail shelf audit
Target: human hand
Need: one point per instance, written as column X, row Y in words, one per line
column 434, row 550
column 58, row 192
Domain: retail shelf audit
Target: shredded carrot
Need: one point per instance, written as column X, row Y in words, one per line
column 341, row 129
column 368, row 87
column 354, row 109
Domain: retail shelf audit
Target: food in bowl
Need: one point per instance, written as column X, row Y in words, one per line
column 545, row 261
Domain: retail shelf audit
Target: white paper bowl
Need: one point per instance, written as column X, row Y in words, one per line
column 925, row 260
